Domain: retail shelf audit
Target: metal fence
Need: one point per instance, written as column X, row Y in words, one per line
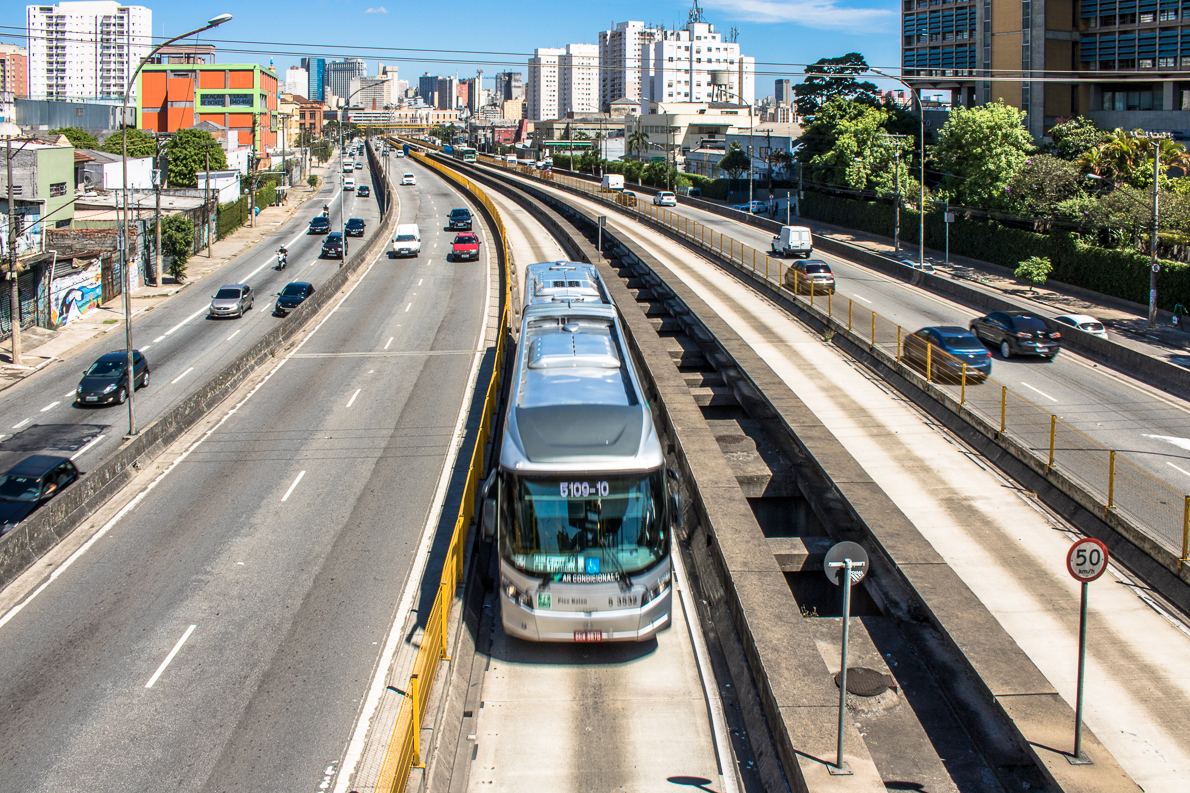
column 1109, row 477
column 404, row 751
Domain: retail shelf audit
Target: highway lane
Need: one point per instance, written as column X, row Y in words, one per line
column 1150, row 426
column 182, row 344
column 1000, row 540
column 284, row 539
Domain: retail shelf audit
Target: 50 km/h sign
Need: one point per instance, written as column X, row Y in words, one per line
column 1087, row 560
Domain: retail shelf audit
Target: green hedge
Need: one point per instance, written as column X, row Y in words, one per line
column 1118, row 273
column 231, row 216
column 266, row 196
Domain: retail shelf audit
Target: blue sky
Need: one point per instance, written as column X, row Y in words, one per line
column 772, row 31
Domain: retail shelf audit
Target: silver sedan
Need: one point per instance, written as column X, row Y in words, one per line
column 232, row 300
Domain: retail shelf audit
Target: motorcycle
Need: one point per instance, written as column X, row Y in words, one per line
column 326, row 211
column 282, row 258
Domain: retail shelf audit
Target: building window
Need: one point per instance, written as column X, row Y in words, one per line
column 57, row 189
column 1147, row 16
column 1107, row 21
column 1167, row 62
column 1146, row 63
column 1127, row 19
column 213, row 100
column 240, row 100
column 1168, row 15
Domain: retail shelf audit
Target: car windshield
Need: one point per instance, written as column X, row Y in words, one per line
column 333, row 237
column 964, row 342
column 1096, row 326
column 404, row 238
column 15, row 487
column 465, row 240
column 227, row 294
column 596, row 526
column 106, row 368
column 458, row 213
column 1028, row 323
column 293, row 290
column 355, row 222
column 818, row 268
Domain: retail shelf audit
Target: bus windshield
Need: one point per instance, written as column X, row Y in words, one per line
column 589, row 525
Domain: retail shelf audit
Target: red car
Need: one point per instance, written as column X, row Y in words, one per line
column 466, row 246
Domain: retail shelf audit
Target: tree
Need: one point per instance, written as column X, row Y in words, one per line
column 639, row 142
column 980, row 150
column 1044, row 185
column 830, row 78
column 1034, row 270
column 188, row 150
column 735, row 162
column 140, row 143
column 861, row 155
column 177, row 241
column 312, row 180
column 79, row 138
column 1076, row 136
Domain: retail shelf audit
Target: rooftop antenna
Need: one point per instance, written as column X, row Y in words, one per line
column 733, row 35
column 695, row 14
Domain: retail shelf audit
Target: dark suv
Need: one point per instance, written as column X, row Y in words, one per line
column 1017, row 333
column 320, row 225
column 355, row 227
column 460, row 219
column 334, row 246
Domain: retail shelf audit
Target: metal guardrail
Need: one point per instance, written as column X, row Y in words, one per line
column 404, row 752
column 1117, row 484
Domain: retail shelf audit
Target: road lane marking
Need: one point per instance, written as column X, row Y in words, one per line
column 1031, row 388
column 51, row 406
column 857, row 297
column 170, row 657
column 390, row 341
column 408, row 307
column 198, row 313
column 89, row 444
column 23, row 423
column 419, row 280
column 1171, row 465
column 351, row 401
column 159, row 338
column 68, row 396
column 147, row 346
column 291, row 487
column 1183, row 443
column 266, row 308
column 179, row 377
column 232, row 336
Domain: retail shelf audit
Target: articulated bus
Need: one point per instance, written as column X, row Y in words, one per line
column 564, row 282
column 581, row 504
column 464, row 153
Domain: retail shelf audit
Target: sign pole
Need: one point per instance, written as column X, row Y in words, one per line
column 1085, row 561
column 840, row 766
column 846, row 564
column 1079, row 757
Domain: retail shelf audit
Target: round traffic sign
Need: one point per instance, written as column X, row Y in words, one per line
column 1087, row 559
column 836, row 562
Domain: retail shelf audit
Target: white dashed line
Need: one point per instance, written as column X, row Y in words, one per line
column 408, row 307
column 1177, row 468
column 147, row 346
column 419, row 280
column 266, row 308
column 291, row 487
column 351, row 401
column 857, row 297
column 51, row 406
column 232, row 336
column 89, row 444
column 1031, row 388
column 390, row 341
column 179, row 377
column 68, row 396
column 198, row 313
column 170, row 657
column 159, row 338
column 23, row 423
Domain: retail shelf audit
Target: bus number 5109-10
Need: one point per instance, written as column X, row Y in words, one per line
column 583, row 489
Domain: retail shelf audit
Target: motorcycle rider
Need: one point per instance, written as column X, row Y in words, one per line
column 326, row 210
column 282, row 257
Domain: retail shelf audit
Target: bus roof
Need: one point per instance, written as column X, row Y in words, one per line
column 563, row 281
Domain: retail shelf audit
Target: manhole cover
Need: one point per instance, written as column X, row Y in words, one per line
column 863, row 682
column 728, row 440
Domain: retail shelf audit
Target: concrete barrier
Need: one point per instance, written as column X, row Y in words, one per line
column 33, row 538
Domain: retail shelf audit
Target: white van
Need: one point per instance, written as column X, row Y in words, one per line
column 612, row 181
column 793, row 240
column 349, row 183
column 406, row 241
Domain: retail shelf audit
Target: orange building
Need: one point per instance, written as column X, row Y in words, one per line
column 14, row 70
column 239, row 96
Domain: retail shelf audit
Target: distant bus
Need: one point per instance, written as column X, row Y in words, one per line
column 464, row 153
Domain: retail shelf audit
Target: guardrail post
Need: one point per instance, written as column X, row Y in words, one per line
column 898, row 343
column 1003, row 407
column 1053, row 430
column 415, row 723
column 929, row 359
column 850, row 303
column 873, row 330
column 963, row 388
column 1185, row 535
column 447, row 596
column 811, row 293
column 754, row 263
column 1111, row 483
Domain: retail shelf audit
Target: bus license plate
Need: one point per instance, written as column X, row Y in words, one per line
column 588, row 636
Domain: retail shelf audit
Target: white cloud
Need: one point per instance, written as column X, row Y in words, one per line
column 808, row 13
column 377, row 10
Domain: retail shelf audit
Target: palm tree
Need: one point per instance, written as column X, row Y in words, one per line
column 640, row 141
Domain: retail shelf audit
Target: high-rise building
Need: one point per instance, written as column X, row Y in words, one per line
column 1134, row 58
column 85, row 49
column 297, row 81
column 448, row 93
column 563, row 80
column 316, row 69
column 339, row 74
column 695, row 64
column 509, row 85
column 621, row 54
column 783, row 92
column 14, row 70
column 427, row 89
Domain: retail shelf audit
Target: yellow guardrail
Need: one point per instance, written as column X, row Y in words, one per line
column 404, row 753
column 1120, row 485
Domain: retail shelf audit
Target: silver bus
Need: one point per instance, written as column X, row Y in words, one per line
column 562, row 282
column 581, row 504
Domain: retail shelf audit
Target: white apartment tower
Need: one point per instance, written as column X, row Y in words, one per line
column 621, row 60
column 85, row 49
column 563, row 80
column 297, row 81
column 682, row 65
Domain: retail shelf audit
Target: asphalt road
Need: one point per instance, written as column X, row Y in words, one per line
column 184, row 347
column 221, row 636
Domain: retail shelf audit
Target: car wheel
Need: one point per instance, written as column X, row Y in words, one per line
column 121, row 396
column 144, row 383
column 1005, row 350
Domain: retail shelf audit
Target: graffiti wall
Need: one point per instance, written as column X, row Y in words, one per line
column 73, row 294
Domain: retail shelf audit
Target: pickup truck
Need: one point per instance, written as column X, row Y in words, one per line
column 465, row 246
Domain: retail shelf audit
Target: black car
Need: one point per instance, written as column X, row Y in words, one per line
column 29, row 484
column 355, row 227
column 292, row 296
column 363, row 191
column 1017, row 333
column 320, row 225
column 106, row 380
column 334, row 245
column 460, row 219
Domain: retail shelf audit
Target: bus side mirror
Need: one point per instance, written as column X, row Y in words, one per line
column 487, row 509
column 676, row 515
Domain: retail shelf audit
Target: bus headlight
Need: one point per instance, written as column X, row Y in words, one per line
column 516, row 595
column 654, row 592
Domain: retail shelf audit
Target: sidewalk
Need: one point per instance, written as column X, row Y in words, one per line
column 41, row 346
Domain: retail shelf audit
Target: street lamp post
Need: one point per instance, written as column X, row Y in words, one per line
column 921, row 203
column 126, row 288
column 897, row 206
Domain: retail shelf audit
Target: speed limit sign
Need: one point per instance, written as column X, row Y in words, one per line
column 1086, row 560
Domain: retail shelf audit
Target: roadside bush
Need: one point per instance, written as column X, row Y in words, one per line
column 312, row 180
column 177, row 242
column 1034, row 271
column 230, row 217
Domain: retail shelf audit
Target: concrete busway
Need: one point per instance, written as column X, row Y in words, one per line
column 1149, row 427
column 998, row 538
column 184, row 347
column 285, row 530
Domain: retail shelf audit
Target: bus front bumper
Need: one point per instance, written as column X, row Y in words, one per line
column 619, row 625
